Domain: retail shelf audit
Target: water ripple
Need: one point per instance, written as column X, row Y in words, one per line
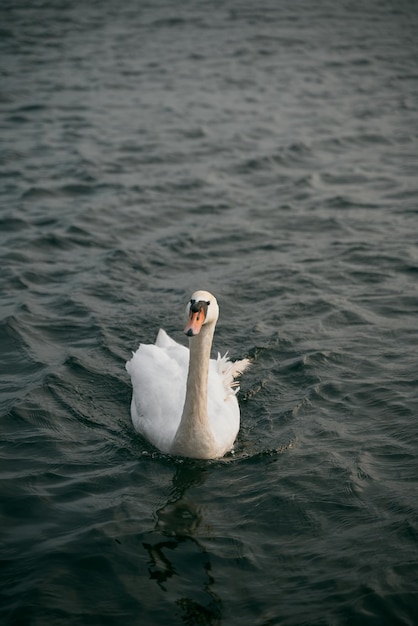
column 267, row 154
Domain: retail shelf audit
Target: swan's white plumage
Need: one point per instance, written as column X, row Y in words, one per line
column 159, row 380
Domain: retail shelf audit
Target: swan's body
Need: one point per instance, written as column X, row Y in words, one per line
column 183, row 401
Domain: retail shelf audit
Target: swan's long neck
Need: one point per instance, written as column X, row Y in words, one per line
column 194, row 436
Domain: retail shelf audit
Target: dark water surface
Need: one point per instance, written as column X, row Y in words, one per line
column 265, row 151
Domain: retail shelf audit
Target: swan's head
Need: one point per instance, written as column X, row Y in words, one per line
column 201, row 309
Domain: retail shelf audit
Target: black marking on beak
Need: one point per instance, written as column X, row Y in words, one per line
column 198, row 306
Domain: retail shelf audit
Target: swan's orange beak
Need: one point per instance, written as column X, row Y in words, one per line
column 197, row 316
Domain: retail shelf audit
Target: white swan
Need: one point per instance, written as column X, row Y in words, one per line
column 183, row 401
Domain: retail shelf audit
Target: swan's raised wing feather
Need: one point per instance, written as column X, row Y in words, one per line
column 229, row 370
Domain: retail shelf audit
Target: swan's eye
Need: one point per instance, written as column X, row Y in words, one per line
column 208, row 302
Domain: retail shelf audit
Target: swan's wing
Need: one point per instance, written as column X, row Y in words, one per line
column 173, row 349
column 164, row 341
column 223, row 406
column 158, row 377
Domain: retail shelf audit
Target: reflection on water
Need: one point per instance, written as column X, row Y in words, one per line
column 177, row 525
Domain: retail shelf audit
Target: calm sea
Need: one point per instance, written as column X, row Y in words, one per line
column 266, row 151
